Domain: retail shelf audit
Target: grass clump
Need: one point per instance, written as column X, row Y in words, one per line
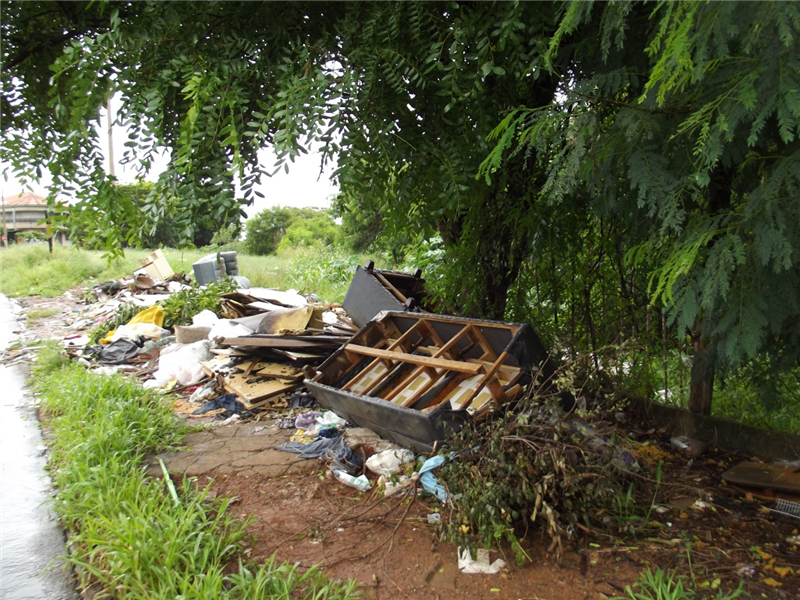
column 326, row 272
column 136, row 536
column 667, row 585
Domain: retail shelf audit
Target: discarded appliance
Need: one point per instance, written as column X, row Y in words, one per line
column 417, row 378
column 374, row 290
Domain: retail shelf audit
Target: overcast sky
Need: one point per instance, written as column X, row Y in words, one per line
column 302, row 187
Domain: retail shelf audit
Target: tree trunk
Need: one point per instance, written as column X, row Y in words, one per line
column 701, row 385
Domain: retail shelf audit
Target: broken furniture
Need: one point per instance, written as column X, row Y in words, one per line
column 213, row 267
column 157, row 266
column 252, row 379
column 416, row 378
column 374, row 290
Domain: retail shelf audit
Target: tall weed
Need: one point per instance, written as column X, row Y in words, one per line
column 326, row 272
column 133, row 534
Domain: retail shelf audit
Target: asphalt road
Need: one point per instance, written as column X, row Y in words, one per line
column 31, row 542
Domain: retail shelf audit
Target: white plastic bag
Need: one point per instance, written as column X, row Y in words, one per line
column 226, row 328
column 205, row 318
column 389, row 461
column 183, row 363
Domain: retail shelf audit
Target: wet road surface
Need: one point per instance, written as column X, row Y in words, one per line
column 31, row 541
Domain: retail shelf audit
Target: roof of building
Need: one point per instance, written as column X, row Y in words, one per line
column 25, row 199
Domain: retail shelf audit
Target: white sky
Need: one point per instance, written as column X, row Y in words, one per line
column 302, row 187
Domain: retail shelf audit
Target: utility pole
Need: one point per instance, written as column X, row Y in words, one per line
column 110, row 139
column 5, row 229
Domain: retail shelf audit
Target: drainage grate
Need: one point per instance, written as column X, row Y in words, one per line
column 788, row 508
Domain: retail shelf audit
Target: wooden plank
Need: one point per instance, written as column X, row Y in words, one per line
column 488, row 353
column 306, row 342
column 404, row 338
column 252, row 390
column 764, row 475
column 279, row 371
column 487, row 376
column 435, row 363
column 389, row 287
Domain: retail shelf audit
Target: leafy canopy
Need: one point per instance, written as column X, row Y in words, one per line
column 551, row 147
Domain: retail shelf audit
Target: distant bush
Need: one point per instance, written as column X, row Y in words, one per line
column 282, row 228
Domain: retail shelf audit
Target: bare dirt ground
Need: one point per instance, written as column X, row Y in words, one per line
column 708, row 531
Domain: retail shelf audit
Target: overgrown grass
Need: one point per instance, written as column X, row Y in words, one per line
column 28, row 270
column 136, row 536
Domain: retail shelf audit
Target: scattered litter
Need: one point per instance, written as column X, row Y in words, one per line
column 306, row 420
column 389, row 462
column 189, row 334
column 203, row 393
column 429, row 481
column 688, row 446
column 334, row 449
column 226, row 402
column 787, row 507
column 480, row 564
column 391, row 488
column 360, row 482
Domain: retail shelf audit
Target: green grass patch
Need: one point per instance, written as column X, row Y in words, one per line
column 32, row 271
column 667, row 585
column 140, row 537
column 41, row 313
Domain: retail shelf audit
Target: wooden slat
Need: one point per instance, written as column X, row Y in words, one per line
column 413, row 329
column 434, row 377
column 391, row 397
column 361, row 374
column 307, row 342
column 389, row 287
column 489, row 374
column 435, row 363
column 488, row 353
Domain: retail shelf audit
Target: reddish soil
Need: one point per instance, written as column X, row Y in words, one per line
column 708, row 531
column 388, row 545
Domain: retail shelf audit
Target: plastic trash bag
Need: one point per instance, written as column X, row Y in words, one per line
column 183, row 363
column 389, row 462
column 153, row 315
column 118, row 352
column 429, row 481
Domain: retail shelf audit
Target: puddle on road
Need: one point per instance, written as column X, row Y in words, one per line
column 31, row 541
